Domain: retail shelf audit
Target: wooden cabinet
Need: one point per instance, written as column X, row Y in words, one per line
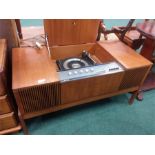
column 4, row 105
column 37, row 86
column 8, row 121
column 2, row 67
column 34, row 98
column 93, row 87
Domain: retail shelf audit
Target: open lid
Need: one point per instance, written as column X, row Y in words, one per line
column 71, row 31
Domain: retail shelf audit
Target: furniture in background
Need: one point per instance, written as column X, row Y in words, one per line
column 147, row 29
column 19, row 29
column 8, row 39
column 8, row 118
column 127, row 34
column 8, row 30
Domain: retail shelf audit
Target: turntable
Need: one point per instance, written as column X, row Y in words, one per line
column 82, row 61
column 85, row 66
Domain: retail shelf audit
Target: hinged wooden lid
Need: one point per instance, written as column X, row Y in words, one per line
column 71, row 31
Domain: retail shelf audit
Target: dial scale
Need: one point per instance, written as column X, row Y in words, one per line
column 97, row 70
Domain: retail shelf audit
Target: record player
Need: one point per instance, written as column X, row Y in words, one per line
column 84, row 66
column 74, row 69
column 83, row 61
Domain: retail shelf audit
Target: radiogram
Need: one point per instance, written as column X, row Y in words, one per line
column 40, row 86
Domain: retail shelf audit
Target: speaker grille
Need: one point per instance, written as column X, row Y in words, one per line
column 40, row 97
column 133, row 78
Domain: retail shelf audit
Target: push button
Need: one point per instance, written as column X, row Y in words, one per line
column 75, row 72
column 91, row 69
column 69, row 73
column 81, row 71
column 87, row 70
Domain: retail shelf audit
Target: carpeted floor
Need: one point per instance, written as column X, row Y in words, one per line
column 112, row 116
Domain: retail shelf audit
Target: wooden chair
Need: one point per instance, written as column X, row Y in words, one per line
column 127, row 34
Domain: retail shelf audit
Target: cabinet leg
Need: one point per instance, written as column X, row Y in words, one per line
column 25, row 130
column 133, row 96
column 140, row 96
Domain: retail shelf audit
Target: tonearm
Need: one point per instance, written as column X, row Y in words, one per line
column 47, row 45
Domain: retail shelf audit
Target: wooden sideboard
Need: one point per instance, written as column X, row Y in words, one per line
column 32, row 66
column 8, row 119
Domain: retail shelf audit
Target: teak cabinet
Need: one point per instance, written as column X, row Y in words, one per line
column 35, row 80
column 32, row 65
column 8, row 122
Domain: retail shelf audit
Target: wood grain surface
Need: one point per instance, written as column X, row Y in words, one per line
column 71, row 31
column 3, row 54
column 32, row 67
column 124, row 54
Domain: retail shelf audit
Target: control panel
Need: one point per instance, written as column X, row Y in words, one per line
column 91, row 71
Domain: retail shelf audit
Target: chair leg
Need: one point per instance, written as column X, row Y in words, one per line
column 25, row 129
column 19, row 29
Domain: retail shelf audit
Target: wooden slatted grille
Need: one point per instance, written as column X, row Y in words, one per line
column 133, row 78
column 40, row 97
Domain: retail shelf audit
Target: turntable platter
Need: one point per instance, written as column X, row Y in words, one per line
column 74, row 63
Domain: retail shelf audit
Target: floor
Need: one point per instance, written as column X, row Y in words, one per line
column 112, row 116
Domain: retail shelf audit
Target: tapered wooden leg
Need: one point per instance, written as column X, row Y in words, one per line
column 25, row 130
column 140, row 96
column 133, row 96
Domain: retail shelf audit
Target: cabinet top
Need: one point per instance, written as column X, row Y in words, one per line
column 32, row 67
column 124, row 54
